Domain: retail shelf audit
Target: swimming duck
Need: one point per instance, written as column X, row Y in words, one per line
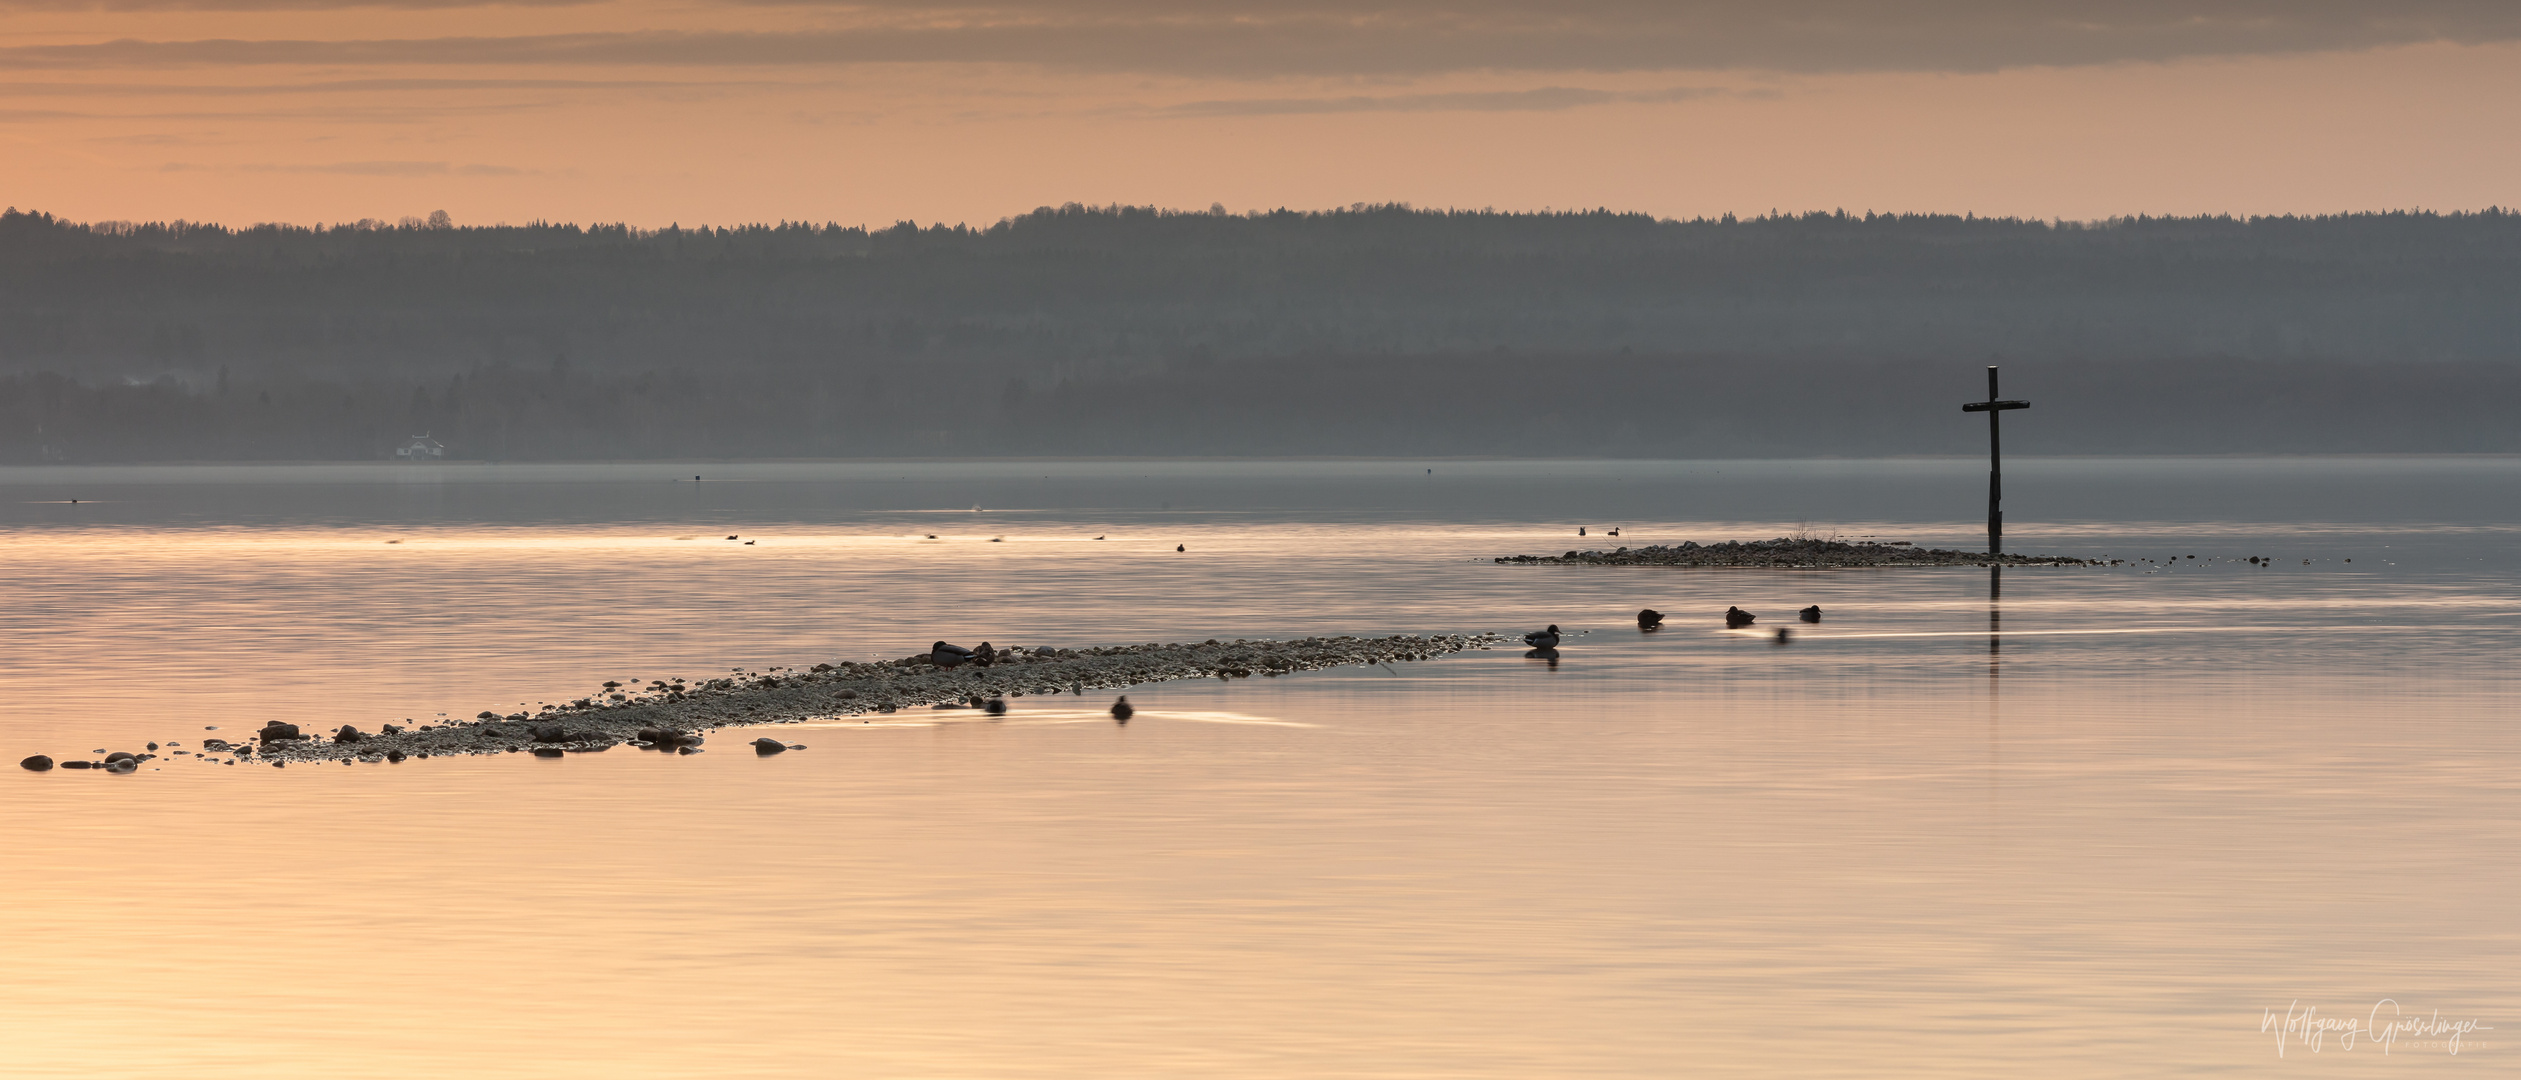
column 1543, row 639
column 1811, row 614
column 1649, row 619
column 1736, row 617
column 1121, row 710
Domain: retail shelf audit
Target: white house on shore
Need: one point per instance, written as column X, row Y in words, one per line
column 421, row 448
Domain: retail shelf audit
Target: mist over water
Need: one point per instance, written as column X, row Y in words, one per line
column 2081, row 821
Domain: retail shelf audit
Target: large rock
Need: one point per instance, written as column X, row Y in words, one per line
column 276, row 731
column 38, row 763
column 767, row 747
column 348, row 734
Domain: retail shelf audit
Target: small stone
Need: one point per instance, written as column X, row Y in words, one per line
column 153, row 746
column 767, row 747
column 550, row 733
column 276, row 731
column 485, row 714
column 392, row 729
column 995, row 707
column 37, row 763
column 121, row 755
column 78, row 764
column 547, row 751
column 393, row 755
column 348, row 734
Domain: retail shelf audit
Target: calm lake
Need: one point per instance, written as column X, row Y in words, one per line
column 2088, row 822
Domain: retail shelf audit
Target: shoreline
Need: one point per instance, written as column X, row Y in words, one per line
column 1787, row 553
column 675, row 716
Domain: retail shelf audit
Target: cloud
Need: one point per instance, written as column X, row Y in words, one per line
column 357, row 168
column 1544, row 99
column 1404, row 38
column 58, row 90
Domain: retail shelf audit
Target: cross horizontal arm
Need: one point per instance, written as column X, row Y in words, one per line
column 1996, row 406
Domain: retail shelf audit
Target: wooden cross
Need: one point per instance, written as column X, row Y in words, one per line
column 1995, row 461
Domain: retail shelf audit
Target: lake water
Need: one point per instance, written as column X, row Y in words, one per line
column 2097, row 825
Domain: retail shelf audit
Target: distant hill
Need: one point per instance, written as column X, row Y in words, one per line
column 1374, row 329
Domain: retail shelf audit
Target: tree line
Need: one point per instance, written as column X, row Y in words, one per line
column 1368, row 329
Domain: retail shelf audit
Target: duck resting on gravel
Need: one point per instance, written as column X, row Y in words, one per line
column 946, row 656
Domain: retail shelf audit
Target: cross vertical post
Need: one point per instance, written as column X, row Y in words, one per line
column 1995, row 461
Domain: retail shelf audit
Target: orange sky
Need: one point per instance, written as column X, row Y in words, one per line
column 719, row 112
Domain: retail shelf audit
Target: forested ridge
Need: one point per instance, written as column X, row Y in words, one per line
column 1368, row 330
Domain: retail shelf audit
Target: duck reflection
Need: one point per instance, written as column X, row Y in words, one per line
column 1544, row 653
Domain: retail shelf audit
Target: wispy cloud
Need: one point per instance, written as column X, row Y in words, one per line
column 356, row 168
column 1543, row 99
column 1249, row 38
column 56, row 90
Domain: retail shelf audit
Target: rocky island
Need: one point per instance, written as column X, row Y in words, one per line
column 674, row 715
column 1788, row 553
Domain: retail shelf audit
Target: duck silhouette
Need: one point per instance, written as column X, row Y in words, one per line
column 946, row 656
column 1811, row 614
column 1121, row 710
column 1735, row 617
column 1543, row 639
column 985, row 655
column 1649, row 619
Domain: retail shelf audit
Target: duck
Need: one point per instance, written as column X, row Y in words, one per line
column 946, row 656
column 985, row 655
column 1543, row 639
column 1649, row 619
column 1811, row 614
column 1121, row 710
column 1736, row 617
